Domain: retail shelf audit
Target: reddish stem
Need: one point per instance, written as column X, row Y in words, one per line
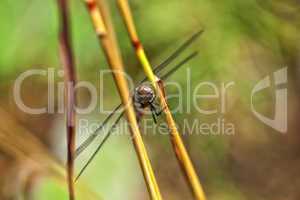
column 66, row 54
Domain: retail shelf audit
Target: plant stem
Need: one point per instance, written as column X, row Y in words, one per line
column 178, row 145
column 66, row 54
column 108, row 41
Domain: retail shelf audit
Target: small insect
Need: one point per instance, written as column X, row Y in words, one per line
column 143, row 97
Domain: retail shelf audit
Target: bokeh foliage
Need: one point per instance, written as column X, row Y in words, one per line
column 244, row 41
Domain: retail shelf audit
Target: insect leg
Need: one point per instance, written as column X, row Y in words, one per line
column 157, row 110
column 153, row 112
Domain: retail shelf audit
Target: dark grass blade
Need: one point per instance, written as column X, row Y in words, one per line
column 100, row 146
column 169, row 73
column 157, row 69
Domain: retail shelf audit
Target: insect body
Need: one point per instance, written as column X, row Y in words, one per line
column 143, row 97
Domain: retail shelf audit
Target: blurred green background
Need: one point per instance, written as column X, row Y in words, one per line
column 244, row 41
